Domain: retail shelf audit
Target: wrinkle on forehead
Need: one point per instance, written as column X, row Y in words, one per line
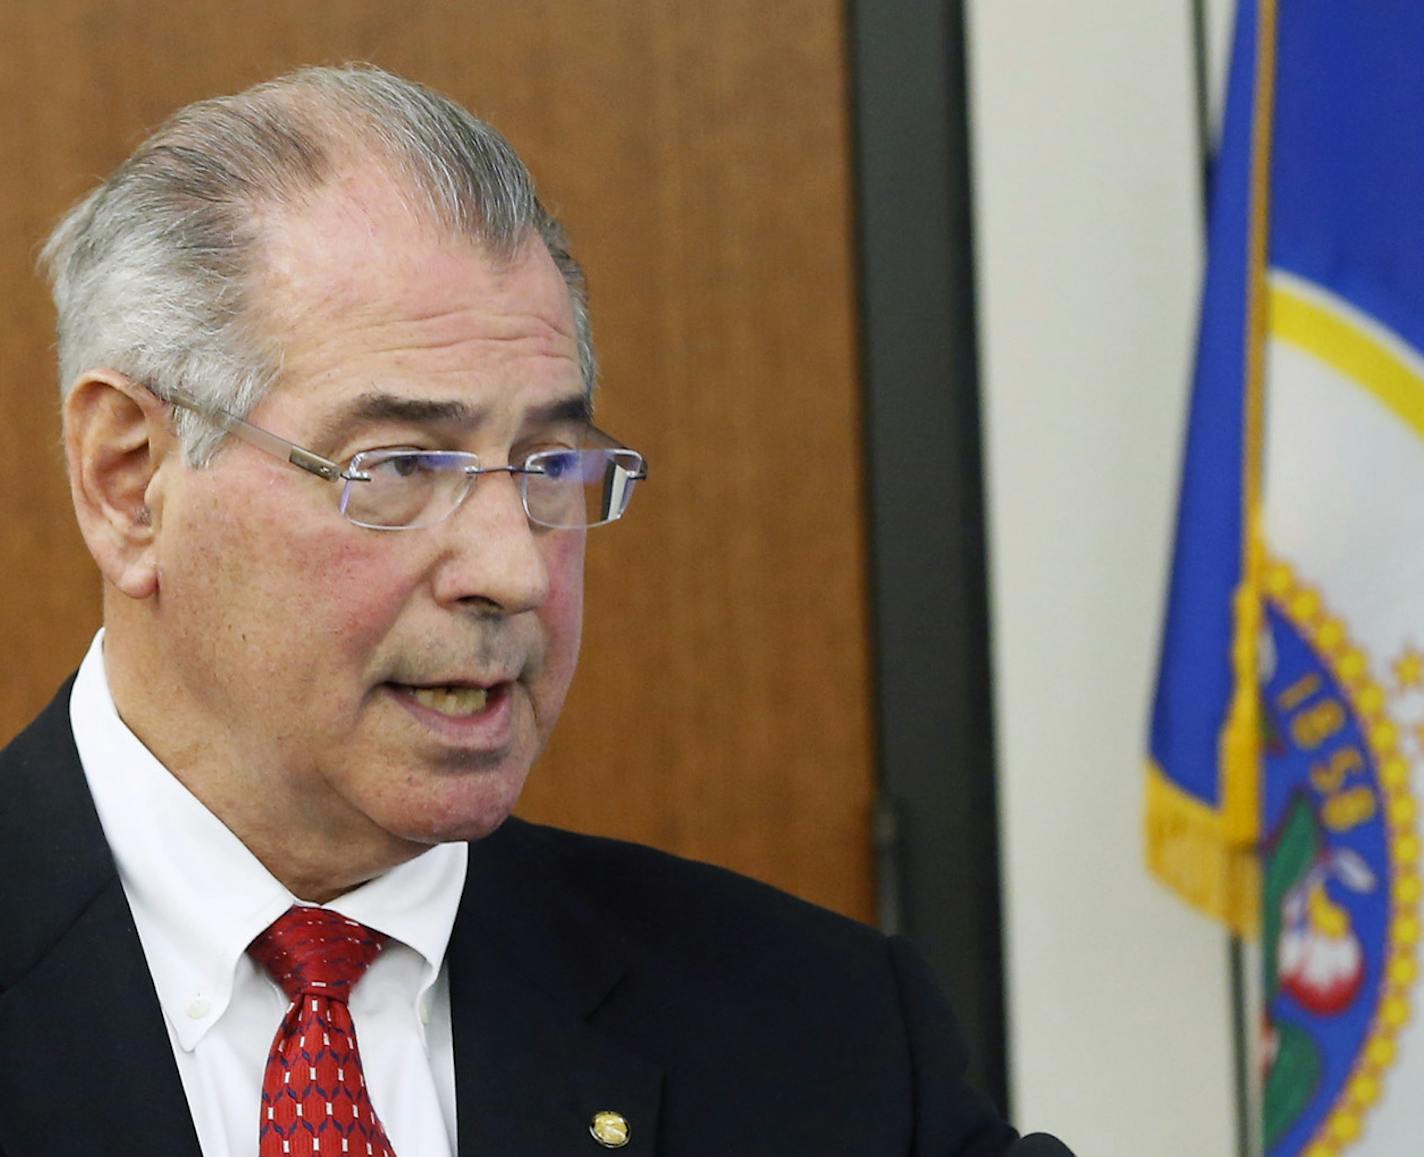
column 453, row 328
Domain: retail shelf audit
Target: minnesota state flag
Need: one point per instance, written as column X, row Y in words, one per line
column 1287, row 748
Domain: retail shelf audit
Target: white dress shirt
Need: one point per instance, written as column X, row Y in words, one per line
column 199, row 897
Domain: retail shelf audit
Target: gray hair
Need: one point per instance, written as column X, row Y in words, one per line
column 153, row 272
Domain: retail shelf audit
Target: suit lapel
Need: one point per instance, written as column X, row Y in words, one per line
column 87, row 1064
column 526, row 975
column 89, row 1068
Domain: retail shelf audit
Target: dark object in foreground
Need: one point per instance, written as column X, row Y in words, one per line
column 1039, row 1145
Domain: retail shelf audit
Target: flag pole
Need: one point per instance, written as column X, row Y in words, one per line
column 1235, row 948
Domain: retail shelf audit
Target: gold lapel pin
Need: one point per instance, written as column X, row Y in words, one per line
column 609, row 1129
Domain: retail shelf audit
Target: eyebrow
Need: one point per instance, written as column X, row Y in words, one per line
column 378, row 406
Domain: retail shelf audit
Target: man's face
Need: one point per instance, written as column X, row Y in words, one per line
column 378, row 689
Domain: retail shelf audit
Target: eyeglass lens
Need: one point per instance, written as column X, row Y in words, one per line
column 560, row 488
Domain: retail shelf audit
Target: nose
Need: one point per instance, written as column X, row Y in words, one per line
column 494, row 557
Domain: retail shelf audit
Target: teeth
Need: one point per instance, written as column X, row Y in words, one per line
column 452, row 700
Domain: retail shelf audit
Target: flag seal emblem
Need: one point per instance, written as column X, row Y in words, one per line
column 1341, row 883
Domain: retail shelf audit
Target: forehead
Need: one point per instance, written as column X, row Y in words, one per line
column 361, row 293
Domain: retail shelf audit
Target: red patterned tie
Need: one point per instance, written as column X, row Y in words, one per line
column 314, row 1099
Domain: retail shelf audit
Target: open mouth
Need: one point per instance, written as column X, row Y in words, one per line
column 454, row 702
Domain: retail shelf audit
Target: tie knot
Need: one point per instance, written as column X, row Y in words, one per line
column 316, row 950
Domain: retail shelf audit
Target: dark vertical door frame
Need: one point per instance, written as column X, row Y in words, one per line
column 937, row 827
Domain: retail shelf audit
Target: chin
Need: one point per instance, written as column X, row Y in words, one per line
column 456, row 821
column 468, row 830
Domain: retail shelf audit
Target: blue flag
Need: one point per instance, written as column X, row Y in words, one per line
column 1287, row 751
column 1203, row 768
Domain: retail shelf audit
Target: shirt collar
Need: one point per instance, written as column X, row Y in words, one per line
column 414, row 902
column 198, row 895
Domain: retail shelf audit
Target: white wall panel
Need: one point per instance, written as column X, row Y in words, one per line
column 1088, row 222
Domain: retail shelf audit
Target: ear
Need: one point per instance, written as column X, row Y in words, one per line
column 116, row 440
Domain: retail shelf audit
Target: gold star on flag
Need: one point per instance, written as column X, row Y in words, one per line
column 1409, row 669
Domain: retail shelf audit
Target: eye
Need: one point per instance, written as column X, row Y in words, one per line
column 406, row 465
column 559, row 465
column 393, row 463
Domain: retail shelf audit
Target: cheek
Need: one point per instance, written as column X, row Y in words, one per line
column 358, row 596
column 295, row 587
column 562, row 613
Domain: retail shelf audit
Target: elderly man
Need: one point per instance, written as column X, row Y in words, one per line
column 326, row 373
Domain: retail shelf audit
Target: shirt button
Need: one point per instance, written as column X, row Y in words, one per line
column 198, row 1008
column 425, row 1010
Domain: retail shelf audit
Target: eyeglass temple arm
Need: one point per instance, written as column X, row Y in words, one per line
column 264, row 440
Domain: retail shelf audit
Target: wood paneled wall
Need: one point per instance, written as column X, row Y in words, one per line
column 699, row 155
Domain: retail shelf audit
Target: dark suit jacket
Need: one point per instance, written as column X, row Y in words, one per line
column 716, row 1014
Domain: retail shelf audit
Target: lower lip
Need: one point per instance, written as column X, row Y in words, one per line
column 488, row 729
